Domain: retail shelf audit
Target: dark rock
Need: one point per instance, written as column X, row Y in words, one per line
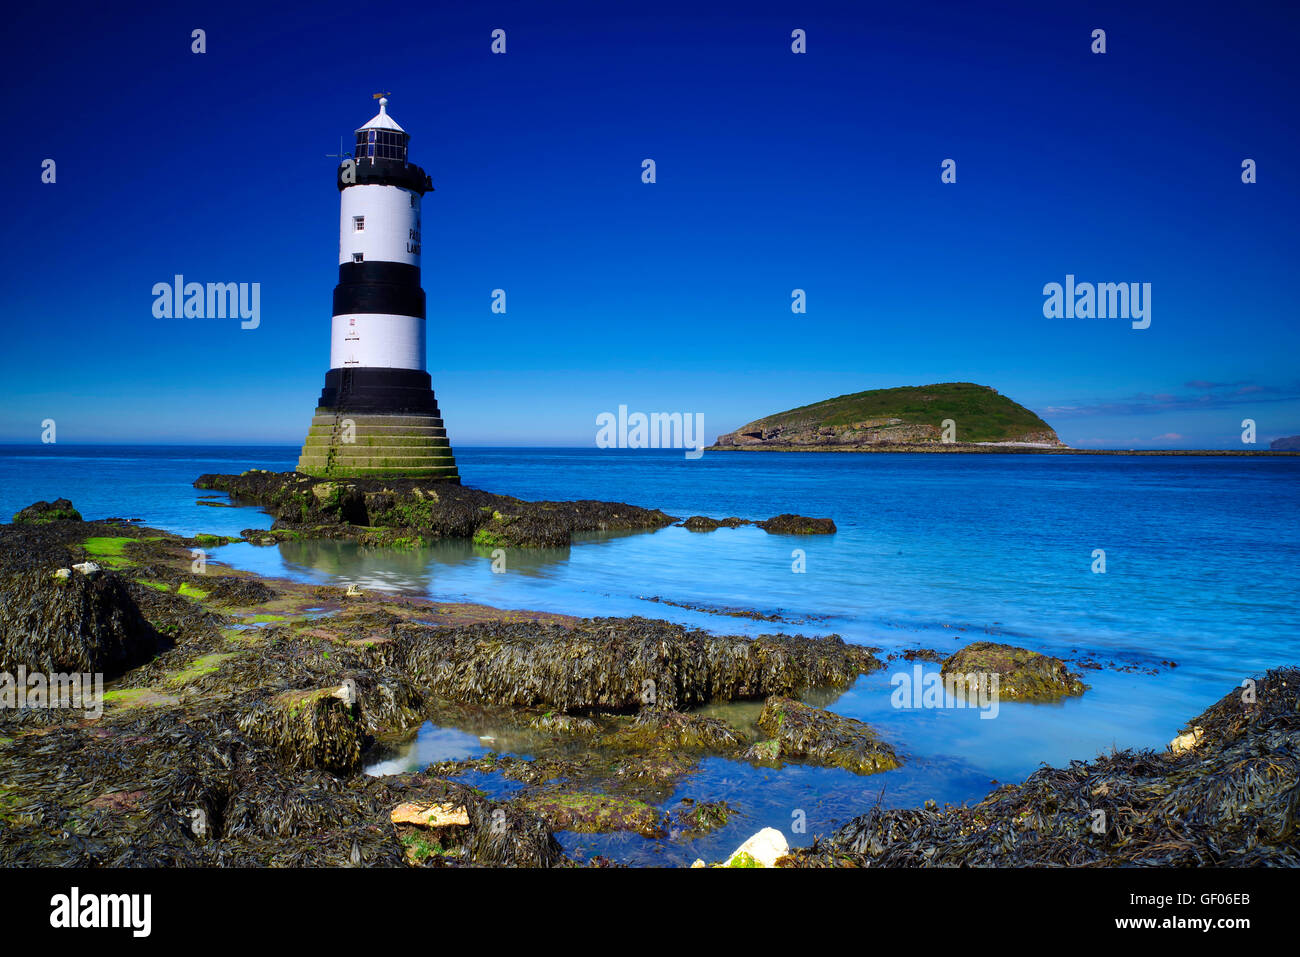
column 702, row 523
column 237, row 590
column 74, row 624
column 919, row 654
column 797, row 525
column 777, row 525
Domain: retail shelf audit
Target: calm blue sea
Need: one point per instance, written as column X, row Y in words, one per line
column 1202, row 568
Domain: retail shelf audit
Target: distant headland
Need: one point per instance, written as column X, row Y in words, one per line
column 943, row 417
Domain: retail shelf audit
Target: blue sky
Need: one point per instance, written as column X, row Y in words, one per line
column 775, row 171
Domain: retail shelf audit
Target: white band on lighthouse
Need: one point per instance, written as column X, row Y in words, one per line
column 379, row 223
column 377, row 341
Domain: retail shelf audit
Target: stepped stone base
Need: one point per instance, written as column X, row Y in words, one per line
column 344, row 444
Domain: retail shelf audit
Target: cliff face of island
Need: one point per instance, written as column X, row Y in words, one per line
column 903, row 418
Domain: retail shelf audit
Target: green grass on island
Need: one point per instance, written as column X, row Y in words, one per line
column 981, row 413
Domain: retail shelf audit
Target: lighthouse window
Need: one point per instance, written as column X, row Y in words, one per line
column 358, row 223
column 358, row 257
column 381, row 144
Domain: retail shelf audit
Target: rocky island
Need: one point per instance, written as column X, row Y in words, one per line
column 945, row 417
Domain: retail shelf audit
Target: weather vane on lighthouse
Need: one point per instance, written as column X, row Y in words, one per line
column 377, row 415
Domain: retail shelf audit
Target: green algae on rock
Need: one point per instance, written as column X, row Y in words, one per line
column 593, row 813
column 1022, row 675
column 801, row 732
column 42, row 513
column 691, row 818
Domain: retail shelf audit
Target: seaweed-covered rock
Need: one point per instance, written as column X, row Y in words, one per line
column 618, row 664
column 77, row 623
column 42, row 513
column 785, row 524
column 702, row 523
column 675, row 730
column 788, row 524
column 383, row 511
column 563, row 724
column 234, row 589
column 316, row 728
column 183, row 785
column 1022, row 675
column 1229, row 802
column 692, row 818
column 590, row 813
column 796, row 730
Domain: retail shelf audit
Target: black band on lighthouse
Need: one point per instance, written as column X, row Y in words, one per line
column 371, row 390
column 381, row 298
column 367, row 172
column 400, row 274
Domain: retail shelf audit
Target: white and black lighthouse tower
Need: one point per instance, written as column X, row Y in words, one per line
column 377, row 414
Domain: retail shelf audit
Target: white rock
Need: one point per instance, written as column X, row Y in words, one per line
column 1185, row 742
column 764, row 847
column 430, row 815
column 89, row 569
column 63, row 573
column 347, row 693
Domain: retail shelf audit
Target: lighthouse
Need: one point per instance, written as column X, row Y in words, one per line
column 377, row 415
